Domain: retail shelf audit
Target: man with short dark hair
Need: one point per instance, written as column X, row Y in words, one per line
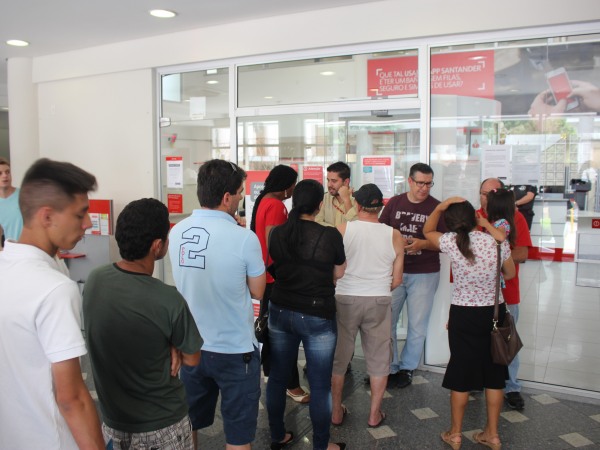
column 218, row 267
column 512, row 291
column 11, row 222
column 338, row 204
column 45, row 402
column 408, row 212
column 133, row 321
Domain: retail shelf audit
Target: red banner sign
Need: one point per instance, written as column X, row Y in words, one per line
column 469, row 74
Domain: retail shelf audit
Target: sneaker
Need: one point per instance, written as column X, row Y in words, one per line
column 515, row 401
column 404, row 378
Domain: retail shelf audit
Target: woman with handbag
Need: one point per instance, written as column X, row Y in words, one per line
column 475, row 270
column 308, row 258
column 268, row 212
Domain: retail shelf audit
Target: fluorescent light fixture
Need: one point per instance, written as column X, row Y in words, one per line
column 4, row 108
column 327, row 73
column 212, row 82
column 17, row 43
column 268, row 97
column 162, row 13
column 211, row 71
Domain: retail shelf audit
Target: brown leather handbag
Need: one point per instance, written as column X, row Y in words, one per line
column 506, row 342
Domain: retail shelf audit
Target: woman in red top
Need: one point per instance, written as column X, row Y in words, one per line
column 268, row 212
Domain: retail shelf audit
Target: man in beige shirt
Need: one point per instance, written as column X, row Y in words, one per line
column 338, row 204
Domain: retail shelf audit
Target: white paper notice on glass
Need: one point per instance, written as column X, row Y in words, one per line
column 526, row 164
column 379, row 170
column 495, row 162
column 175, row 172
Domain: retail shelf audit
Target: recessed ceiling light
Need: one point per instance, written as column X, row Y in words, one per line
column 212, row 82
column 211, row 71
column 268, row 97
column 162, row 13
column 4, row 108
column 327, row 73
column 17, row 43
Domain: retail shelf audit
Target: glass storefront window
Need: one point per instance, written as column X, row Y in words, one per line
column 306, row 141
column 195, row 127
column 333, row 79
column 528, row 113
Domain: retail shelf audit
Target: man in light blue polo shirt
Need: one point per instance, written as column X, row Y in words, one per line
column 218, row 268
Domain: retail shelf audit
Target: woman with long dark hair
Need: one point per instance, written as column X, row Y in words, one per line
column 473, row 254
column 308, row 258
column 268, row 212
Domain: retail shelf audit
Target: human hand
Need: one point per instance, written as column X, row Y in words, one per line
column 414, row 246
column 542, row 105
column 588, row 93
column 241, row 221
column 176, row 360
column 449, row 201
column 344, row 192
column 482, row 221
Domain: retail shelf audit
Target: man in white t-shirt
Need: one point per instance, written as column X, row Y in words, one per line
column 45, row 403
column 363, row 299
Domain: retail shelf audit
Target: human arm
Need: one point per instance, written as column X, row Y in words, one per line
column 257, row 285
column 430, row 227
column 320, row 218
column 519, row 254
column 345, row 195
column 497, row 233
column 339, row 270
column 398, row 266
column 520, row 250
column 76, row 405
column 508, row 269
column 529, row 196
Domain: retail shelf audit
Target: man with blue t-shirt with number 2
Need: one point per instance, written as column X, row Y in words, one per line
column 218, row 268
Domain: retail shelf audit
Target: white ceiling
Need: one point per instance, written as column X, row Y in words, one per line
column 62, row 25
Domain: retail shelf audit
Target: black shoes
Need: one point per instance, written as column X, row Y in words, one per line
column 515, row 401
column 403, row 378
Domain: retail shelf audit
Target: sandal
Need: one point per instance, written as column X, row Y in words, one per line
column 299, row 398
column 481, row 439
column 451, row 439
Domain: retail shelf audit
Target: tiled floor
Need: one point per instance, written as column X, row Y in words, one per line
column 417, row 414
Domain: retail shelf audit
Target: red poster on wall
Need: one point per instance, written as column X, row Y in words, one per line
column 175, row 203
column 468, row 74
column 313, row 173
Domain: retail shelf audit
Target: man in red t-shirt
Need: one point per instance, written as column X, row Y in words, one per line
column 511, row 293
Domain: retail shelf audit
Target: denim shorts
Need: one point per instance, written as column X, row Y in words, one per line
column 237, row 378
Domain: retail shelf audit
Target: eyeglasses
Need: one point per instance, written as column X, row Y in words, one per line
column 422, row 184
column 232, row 167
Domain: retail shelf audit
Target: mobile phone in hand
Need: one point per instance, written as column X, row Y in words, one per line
column 560, row 86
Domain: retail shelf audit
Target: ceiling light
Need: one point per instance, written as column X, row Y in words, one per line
column 212, row 82
column 162, row 13
column 211, row 71
column 327, row 73
column 17, row 43
column 268, row 97
column 4, row 108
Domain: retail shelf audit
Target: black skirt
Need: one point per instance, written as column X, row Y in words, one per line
column 471, row 367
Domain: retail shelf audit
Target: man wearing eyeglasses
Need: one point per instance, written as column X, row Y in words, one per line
column 408, row 212
column 218, row 268
column 512, row 292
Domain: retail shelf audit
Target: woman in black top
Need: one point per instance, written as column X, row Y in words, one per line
column 308, row 258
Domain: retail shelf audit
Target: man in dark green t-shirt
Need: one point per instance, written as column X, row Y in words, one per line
column 139, row 331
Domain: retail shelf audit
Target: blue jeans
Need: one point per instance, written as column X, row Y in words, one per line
column 318, row 336
column 418, row 289
column 512, row 385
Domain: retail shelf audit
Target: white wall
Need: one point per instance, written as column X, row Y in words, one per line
column 103, row 124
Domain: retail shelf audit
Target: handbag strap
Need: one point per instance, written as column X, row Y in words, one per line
column 497, row 294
